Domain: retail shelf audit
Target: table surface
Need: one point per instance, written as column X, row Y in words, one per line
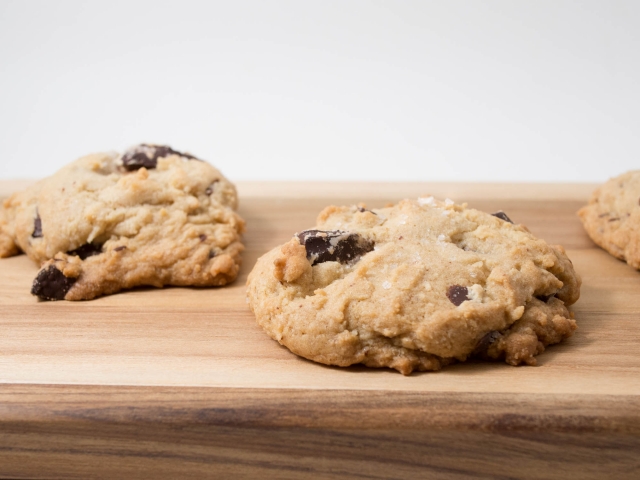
column 192, row 368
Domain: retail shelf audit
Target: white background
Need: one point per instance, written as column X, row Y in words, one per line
column 320, row 90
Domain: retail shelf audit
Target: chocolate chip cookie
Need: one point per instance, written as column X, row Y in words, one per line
column 612, row 217
column 415, row 286
column 106, row 222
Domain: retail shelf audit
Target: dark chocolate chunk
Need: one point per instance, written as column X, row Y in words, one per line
column 120, row 248
column 502, row 216
column 136, row 160
column 202, row 237
column 51, row 284
column 147, row 156
column 485, row 342
column 87, row 250
column 212, row 253
column 334, row 246
column 615, row 219
column 457, row 294
column 165, row 151
column 37, row 227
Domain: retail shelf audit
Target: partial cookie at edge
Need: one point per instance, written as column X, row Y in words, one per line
column 612, row 217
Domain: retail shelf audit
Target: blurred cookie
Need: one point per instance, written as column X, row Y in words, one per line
column 612, row 217
column 106, row 222
column 415, row 286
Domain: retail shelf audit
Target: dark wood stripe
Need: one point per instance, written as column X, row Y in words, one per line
column 77, row 431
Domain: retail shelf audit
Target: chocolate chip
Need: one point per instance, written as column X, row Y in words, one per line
column 502, row 216
column 334, row 246
column 362, row 210
column 120, row 248
column 212, row 253
column 202, row 237
column 545, row 298
column 211, row 188
column 87, row 250
column 165, row 151
column 457, row 294
column 485, row 342
column 135, row 160
column 614, row 219
column 37, row 227
column 51, row 284
column 147, row 156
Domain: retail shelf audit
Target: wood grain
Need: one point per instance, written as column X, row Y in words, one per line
column 277, row 433
column 181, row 382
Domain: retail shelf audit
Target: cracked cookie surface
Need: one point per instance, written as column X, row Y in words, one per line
column 612, row 217
column 415, row 286
column 106, row 222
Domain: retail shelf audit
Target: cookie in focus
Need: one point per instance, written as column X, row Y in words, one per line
column 415, row 286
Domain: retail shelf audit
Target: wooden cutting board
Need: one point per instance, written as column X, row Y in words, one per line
column 182, row 383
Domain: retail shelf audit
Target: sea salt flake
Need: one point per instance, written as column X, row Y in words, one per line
column 386, row 285
column 426, row 201
column 475, row 293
